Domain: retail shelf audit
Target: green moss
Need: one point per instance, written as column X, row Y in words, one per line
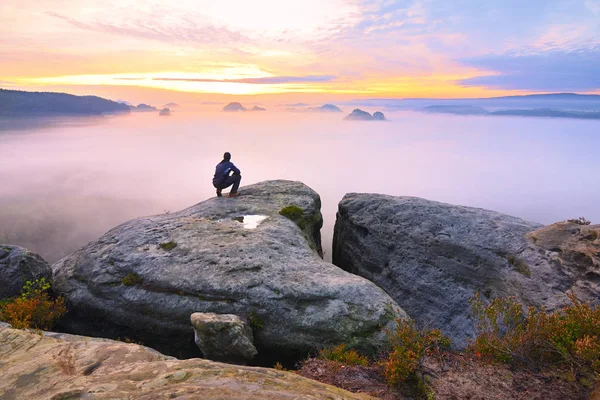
column 522, row 268
column 295, row 214
column 305, row 223
column 168, row 246
column 255, row 321
column 132, row 280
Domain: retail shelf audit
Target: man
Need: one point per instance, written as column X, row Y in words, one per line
column 223, row 180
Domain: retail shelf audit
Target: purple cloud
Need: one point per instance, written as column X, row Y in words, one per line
column 552, row 70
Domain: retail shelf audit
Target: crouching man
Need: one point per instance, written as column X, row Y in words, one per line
column 227, row 174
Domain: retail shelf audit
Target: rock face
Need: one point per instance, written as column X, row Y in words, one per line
column 17, row 266
column 432, row 257
column 224, row 337
column 233, row 107
column 144, row 279
column 60, row 366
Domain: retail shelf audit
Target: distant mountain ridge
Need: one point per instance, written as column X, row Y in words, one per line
column 535, row 112
column 557, row 101
column 21, row 103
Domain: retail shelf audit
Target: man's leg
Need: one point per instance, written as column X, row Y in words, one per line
column 236, row 183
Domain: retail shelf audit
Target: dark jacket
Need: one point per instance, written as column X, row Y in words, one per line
column 222, row 171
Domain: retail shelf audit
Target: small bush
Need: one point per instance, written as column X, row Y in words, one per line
column 342, row 355
column 168, row 246
column 132, row 280
column 35, row 308
column 568, row 337
column 409, row 346
column 580, row 221
column 254, row 321
column 295, row 214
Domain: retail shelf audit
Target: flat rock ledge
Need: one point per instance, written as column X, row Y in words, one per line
column 432, row 257
column 17, row 266
column 143, row 279
column 60, row 366
column 224, row 337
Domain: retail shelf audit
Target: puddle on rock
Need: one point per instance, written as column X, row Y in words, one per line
column 250, row 221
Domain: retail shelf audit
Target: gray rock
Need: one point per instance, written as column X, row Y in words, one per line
column 223, row 337
column 143, row 279
column 17, row 266
column 432, row 257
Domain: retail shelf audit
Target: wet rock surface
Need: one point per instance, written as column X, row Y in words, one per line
column 432, row 257
column 61, row 366
column 17, row 266
column 142, row 280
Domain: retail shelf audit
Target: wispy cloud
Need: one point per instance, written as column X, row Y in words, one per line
column 270, row 80
column 179, row 29
column 558, row 69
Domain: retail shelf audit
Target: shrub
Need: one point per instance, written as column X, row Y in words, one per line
column 568, row 337
column 409, row 346
column 35, row 308
column 342, row 355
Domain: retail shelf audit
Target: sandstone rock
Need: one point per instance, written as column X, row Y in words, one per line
column 432, row 257
column 143, row 279
column 61, row 366
column 17, row 266
column 224, row 337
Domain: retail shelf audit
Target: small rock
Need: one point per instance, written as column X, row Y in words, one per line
column 223, row 337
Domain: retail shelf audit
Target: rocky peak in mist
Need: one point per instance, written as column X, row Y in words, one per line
column 360, row 115
column 144, row 108
column 324, row 108
column 234, row 107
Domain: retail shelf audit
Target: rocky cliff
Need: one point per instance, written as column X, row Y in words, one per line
column 432, row 257
column 61, row 366
column 239, row 256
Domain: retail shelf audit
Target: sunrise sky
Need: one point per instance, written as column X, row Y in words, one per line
column 309, row 50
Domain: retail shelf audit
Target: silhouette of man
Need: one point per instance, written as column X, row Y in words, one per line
column 223, row 179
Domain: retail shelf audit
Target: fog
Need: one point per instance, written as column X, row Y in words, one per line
column 64, row 182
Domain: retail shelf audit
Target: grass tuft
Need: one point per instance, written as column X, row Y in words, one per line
column 168, row 246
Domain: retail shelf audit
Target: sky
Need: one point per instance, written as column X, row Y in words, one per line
column 309, row 50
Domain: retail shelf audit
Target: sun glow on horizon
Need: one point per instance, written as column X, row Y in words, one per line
column 369, row 48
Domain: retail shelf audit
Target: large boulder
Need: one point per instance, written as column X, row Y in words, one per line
column 432, row 257
column 17, row 266
column 142, row 280
column 60, row 366
column 223, row 337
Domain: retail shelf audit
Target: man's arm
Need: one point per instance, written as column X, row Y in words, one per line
column 235, row 170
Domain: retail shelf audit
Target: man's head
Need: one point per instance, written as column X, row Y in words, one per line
column 227, row 156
